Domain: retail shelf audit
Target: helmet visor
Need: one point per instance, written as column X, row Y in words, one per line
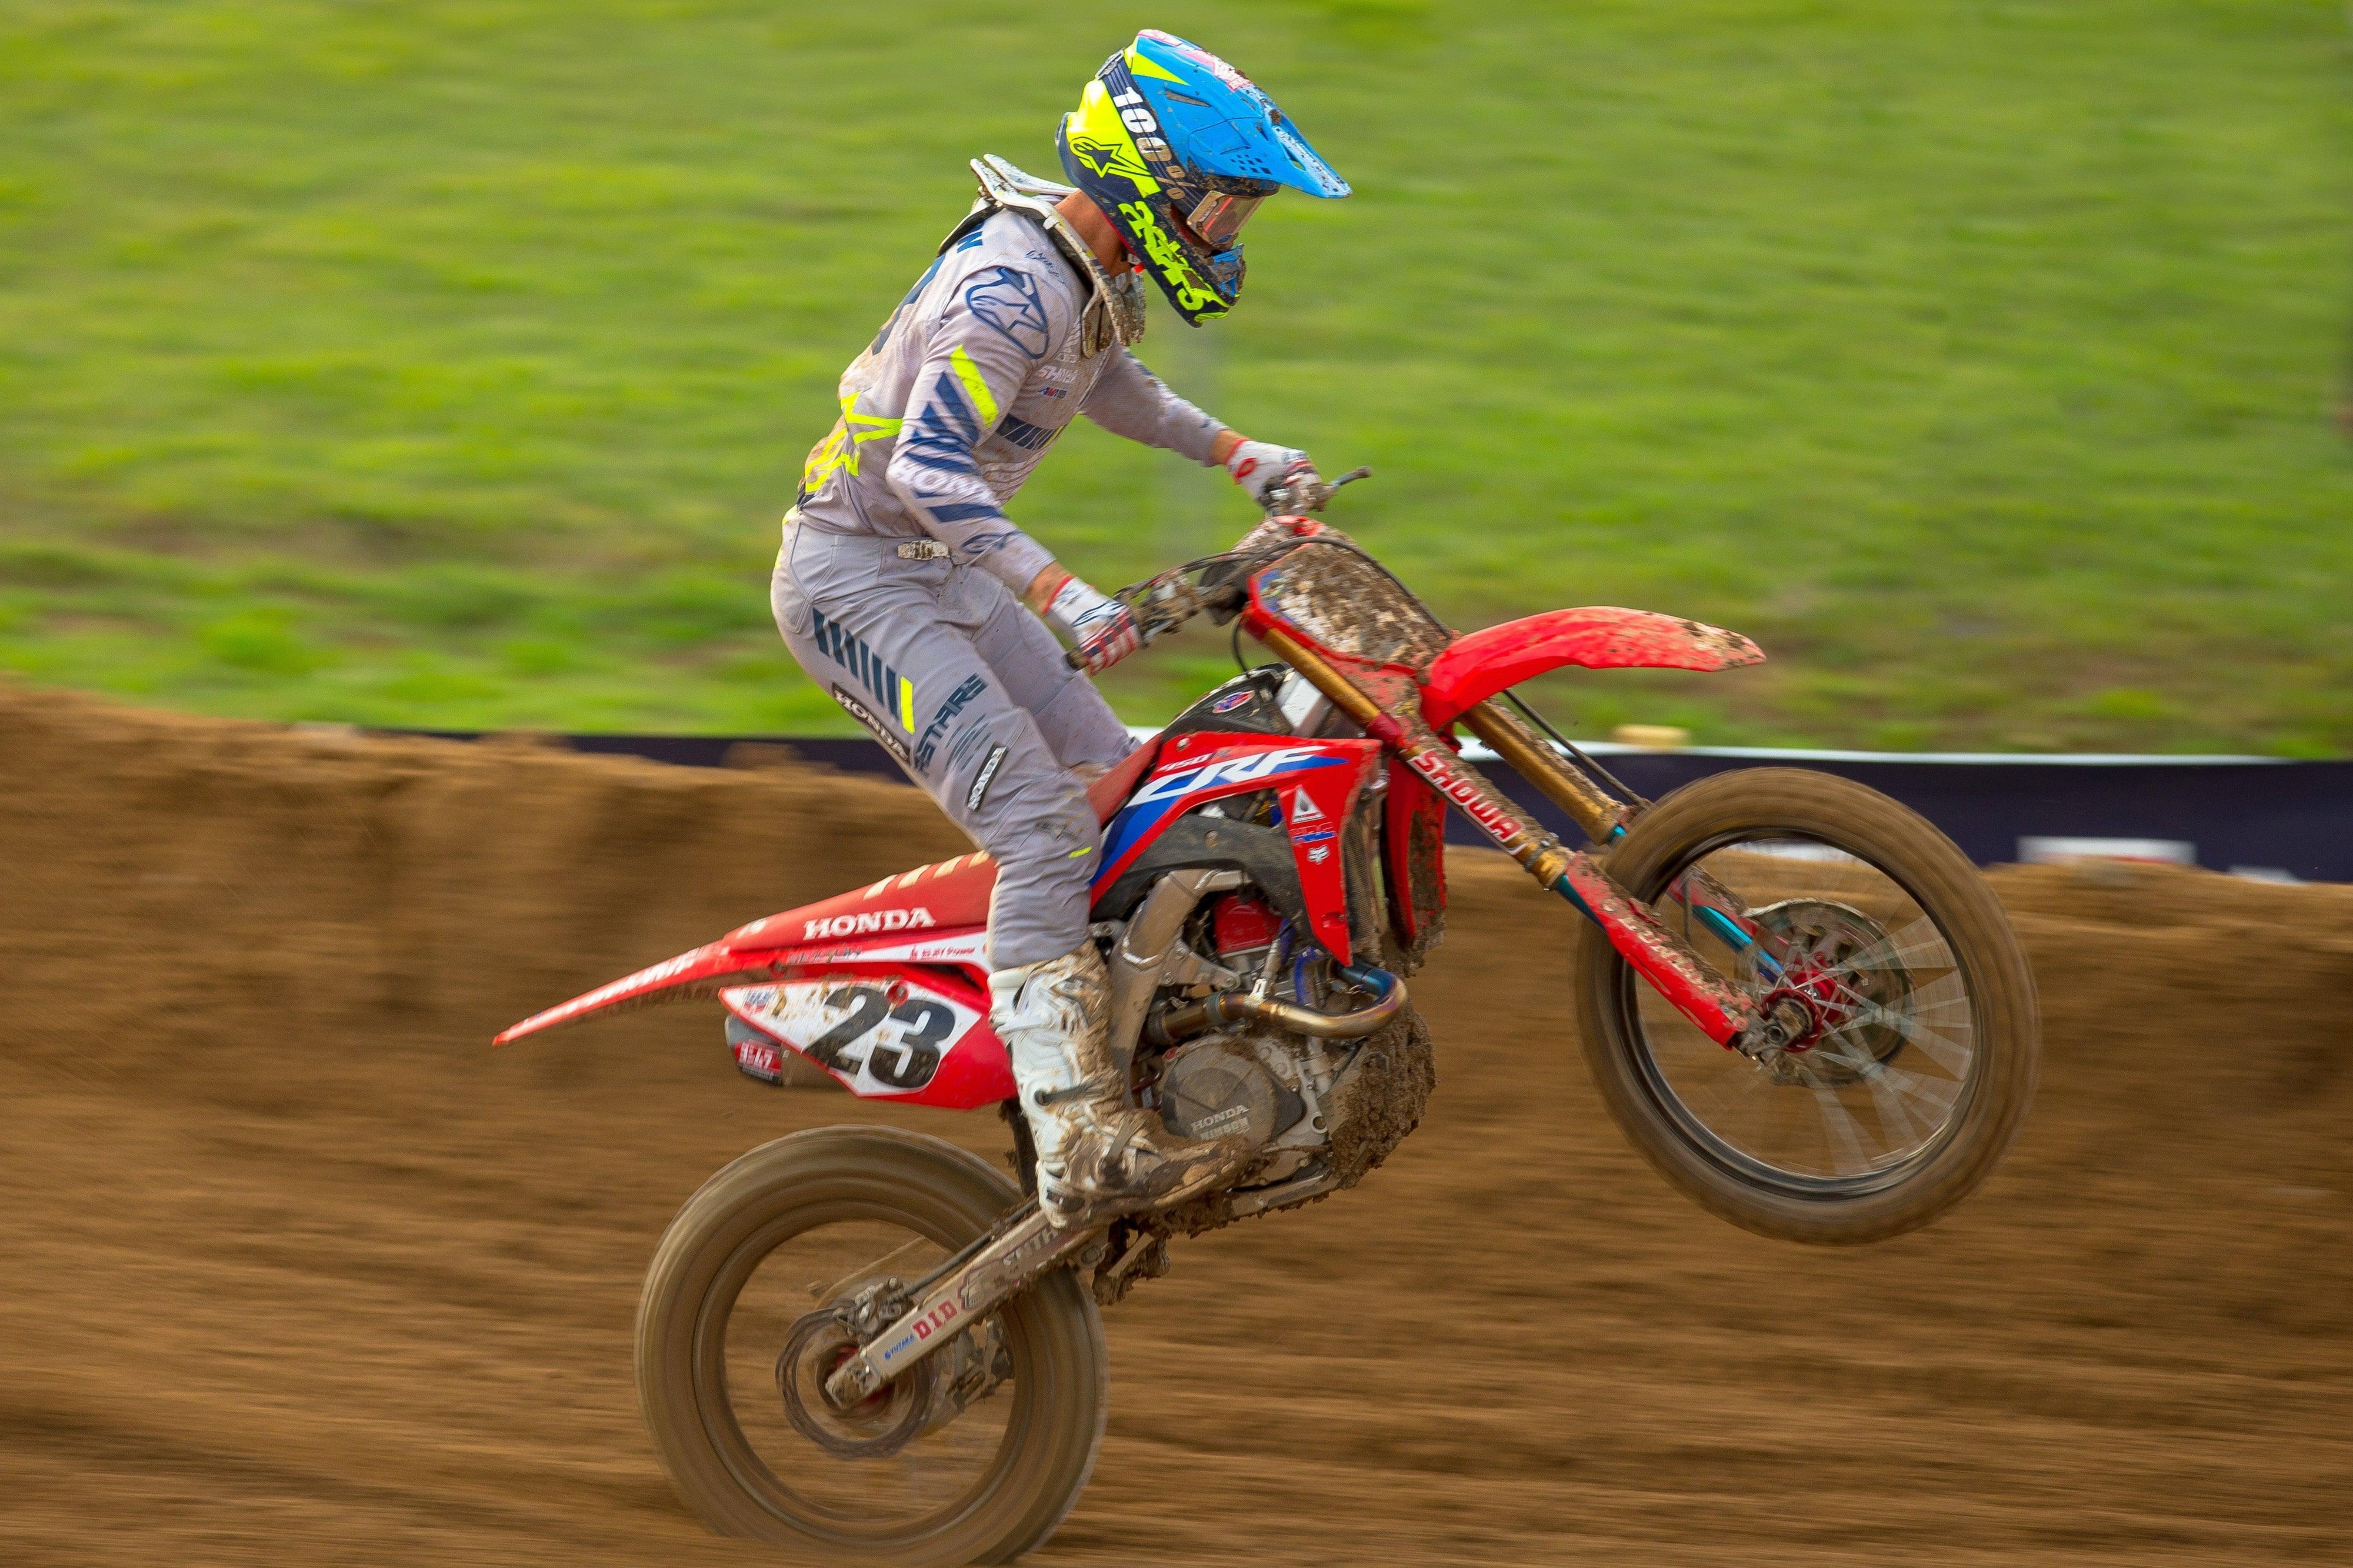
column 1219, row 217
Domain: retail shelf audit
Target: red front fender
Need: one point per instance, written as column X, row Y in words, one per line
column 1480, row 664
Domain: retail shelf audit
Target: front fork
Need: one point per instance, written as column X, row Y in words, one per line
column 1717, row 1008
column 1707, row 900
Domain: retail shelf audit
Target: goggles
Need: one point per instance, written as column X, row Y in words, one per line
column 1217, row 217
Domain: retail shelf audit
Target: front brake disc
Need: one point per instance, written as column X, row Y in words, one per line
column 1835, row 957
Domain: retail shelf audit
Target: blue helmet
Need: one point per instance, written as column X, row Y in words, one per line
column 1179, row 148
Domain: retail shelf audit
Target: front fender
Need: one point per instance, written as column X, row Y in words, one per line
column 1478, row 665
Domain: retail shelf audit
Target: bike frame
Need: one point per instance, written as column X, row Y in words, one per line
column 1393, row 705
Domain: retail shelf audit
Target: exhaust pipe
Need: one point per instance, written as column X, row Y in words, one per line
column 1231, row 1007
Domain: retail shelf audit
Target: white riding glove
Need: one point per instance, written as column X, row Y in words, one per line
column 1099, row 627
column 1258, row 466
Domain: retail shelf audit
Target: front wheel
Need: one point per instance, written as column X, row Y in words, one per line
column 1866, row 932
column 974, row 1457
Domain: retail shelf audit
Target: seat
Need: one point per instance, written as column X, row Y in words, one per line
column 944, row 896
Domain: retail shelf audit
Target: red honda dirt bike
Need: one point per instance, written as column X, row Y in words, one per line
column 1799, row 998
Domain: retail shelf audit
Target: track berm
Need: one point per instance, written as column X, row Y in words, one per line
column 298, row 1271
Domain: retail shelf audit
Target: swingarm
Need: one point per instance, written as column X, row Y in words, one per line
column 901, row 1325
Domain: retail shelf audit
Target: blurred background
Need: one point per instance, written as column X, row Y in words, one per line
column 450, row 364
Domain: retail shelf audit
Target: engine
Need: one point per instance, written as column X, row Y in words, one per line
column 1317, row 1107
column 1265, row 1085
column 1221, row 1087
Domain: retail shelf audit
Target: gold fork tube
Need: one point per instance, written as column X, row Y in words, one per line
column 1319, row 675
column 1537, row 763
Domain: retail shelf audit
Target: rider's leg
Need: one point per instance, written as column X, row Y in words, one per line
column 1077, row 723
column 921, row 654
column 893, row 641
column 1098, row 1155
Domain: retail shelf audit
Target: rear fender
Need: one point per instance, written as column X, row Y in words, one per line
column 930, row 917
column 735, row 957
column 694, row 973
column 1479, row 664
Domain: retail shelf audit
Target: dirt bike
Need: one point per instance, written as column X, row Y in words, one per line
column 1799, row 999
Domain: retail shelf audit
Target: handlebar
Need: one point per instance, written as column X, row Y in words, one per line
column 1164, row 603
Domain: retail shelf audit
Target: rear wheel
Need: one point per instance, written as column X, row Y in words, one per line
column 974, row 1457
column 1915, row 1035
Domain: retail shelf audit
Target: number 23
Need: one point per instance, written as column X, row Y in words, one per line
column 907, row 1062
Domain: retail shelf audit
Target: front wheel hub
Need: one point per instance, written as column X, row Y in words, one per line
column 1840, row 977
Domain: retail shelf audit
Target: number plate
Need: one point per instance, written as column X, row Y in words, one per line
column 876, row 1038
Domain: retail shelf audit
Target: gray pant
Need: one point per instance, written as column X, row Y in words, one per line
column 968, row 691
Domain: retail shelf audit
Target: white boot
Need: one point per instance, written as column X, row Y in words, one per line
column 1098, row 1156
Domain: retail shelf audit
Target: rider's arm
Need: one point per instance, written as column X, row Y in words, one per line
column 1129, row 400
column 970, row 374
column 1043, row 587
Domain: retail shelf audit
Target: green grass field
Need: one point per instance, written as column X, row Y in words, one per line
column 450, row 363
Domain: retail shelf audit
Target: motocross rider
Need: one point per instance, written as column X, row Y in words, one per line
column 900, row 584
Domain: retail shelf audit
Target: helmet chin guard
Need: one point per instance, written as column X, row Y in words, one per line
column 1178, row 149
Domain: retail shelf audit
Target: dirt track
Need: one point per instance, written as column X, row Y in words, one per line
column 298, row 1273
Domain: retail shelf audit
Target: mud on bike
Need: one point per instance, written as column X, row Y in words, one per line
column 1799, row 999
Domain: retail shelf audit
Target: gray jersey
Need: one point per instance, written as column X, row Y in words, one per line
column 960, row 393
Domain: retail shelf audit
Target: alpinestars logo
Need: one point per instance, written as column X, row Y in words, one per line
column 1108, row 159
column 973, row 686
column 1192, row 294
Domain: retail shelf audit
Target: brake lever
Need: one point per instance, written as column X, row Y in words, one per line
column 1160, row 605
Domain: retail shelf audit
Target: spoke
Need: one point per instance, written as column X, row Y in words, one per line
column 1894, row 1120
column 1944, row 991
column 1828, row 915
column 1940, row 1092
column 1846, row 1147
column 1953, row 1056
column 1903, row 946
column 821, row 1292
column 1746, row 1080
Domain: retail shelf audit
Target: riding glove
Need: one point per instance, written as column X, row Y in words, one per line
column 1258, row 466
column 1099, row 627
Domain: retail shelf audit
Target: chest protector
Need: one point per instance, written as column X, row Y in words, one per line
column 1113, row 312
